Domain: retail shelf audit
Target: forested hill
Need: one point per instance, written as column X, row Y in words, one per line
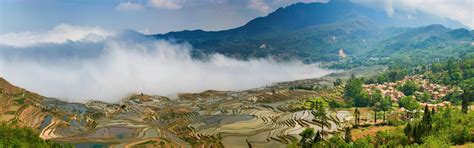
column 315, row 32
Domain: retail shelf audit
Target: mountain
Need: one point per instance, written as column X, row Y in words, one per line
column 312, row 32
column 338, row 19
column 421, row 45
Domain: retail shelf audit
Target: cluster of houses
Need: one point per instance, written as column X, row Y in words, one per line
column 390, row 89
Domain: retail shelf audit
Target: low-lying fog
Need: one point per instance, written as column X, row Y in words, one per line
column 77, row 64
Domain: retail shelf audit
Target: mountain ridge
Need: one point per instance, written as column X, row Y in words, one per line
column 311, row 32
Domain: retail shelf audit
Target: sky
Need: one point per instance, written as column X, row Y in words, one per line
column 146, row 16
column 161, row 16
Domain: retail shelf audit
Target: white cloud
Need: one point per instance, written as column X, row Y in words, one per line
column 165, row 4
column 60, row 34
column 125, row 66
column 219, row 1
column 259, row 5
column 155, row 4
column 267, row 6
column 288, row 2
column 313, row 1
column 389, row 7
column 457, row 10
column 127, row 6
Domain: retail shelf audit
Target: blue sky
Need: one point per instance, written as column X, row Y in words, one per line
column 148, row 16
column 161, row 16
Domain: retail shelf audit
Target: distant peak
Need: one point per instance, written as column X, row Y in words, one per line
column 339, row 1
column 435, row 26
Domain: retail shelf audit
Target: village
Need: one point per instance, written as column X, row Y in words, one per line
column 435, row 91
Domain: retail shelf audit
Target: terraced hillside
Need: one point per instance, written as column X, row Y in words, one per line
column 50, row 117
column 265, row 116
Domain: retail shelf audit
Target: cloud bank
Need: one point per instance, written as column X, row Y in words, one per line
column 124, row 64
column 158, row 4
column 262, row 6
column 259, row 5
column 127, row 6
column 457, row 10
column 265, row 6
column 60, row 34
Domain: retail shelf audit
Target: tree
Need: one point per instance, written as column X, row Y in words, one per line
column 353, row 89
column 376, row 97
column 426, row 120
column 317, row 138
column 376, row 108
column 385, row 105
column 347, row 135
column 395, row 75
column 382, row 79
column 320, row 114
column 362, row 100
column 306, row 136
column 409, row 103
column 426, row 116
column 425, row 97
column 338, row 82
column 462, row 137
column 408, row 130
column 15, row 136
column 465, row 101
column 408, row 88
column 455, row 97
column 334, row 141
column 314, row 103
column 465, row 105
column 417, row 133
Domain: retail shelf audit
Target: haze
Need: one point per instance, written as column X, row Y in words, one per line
column 60, row 66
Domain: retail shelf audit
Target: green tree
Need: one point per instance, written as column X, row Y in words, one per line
column 306, row 137
column 465, row 105
column 426, row 120
column 318, row 137
column 417, row 133
column 385, row 106
column 382, row 79
column 426, row 123
column 408, row 130
column 13, row 136
column 409, row 103
column 425, row 97
column 335, row 141
column 320, row 115
column 465, row 100
column 376, row 108
column 462, row 137
column 409, row 88
column 376, row 97
column 395, row 75
column 338, row 82
column 362, row 100
column 353, row 89
column 347, row 135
